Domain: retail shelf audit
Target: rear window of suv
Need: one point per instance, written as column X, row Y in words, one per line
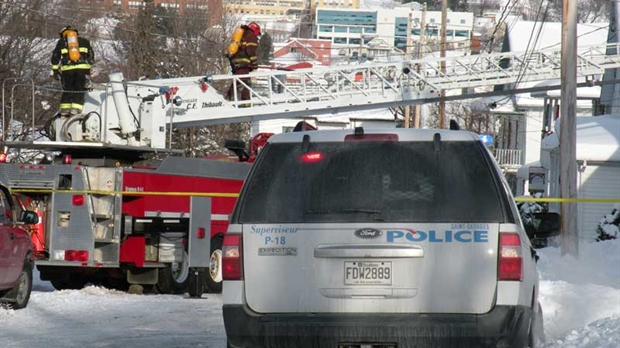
column 344, row 182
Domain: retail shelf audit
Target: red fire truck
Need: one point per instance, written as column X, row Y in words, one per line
column 158, row 227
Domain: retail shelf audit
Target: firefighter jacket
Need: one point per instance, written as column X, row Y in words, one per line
column 60, row 56
column 245, row 60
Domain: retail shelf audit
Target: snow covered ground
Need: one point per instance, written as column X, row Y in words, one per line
column 580, row 300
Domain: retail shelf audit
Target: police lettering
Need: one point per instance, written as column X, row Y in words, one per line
column 448, row 236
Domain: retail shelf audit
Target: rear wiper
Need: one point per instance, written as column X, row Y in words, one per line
column 377, row 213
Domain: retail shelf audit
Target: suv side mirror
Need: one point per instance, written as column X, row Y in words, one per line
column 29, row 217
column 546, row 224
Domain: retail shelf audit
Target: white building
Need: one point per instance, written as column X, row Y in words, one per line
column 359, row 27
column 598, row 168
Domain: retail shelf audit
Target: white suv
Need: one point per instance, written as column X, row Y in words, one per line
column 378, row 239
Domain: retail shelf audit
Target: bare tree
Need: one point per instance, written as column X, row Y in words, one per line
column 483, row 6
column 468, row 115
column 26, row 42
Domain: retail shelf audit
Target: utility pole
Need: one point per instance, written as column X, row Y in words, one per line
column 407, row 108
column 420, row 55
column 444, row 20
column 568, row 130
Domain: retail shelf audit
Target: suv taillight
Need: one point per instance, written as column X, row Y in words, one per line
column 232, row 262
column 510, row 259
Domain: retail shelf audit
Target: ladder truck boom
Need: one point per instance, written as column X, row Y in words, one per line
column 140, row 113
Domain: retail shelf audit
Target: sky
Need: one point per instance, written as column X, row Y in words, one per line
column 580, row 300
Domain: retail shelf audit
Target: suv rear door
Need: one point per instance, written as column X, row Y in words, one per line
column 378, row 226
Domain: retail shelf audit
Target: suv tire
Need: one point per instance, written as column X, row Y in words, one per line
column 21, row 292
column 536, row 337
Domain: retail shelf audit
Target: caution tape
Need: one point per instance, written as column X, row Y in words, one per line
column 130, row 193
column 235, row 195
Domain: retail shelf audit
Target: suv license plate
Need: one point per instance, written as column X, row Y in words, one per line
column 367, row 273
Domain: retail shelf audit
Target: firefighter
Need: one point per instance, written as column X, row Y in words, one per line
column 242, row 55
column 72, row 60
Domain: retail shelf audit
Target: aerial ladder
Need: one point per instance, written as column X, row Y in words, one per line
column 140, row 113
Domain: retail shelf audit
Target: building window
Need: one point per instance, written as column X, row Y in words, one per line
column 340, row 40
column 355, row 30
column 346, row 17
column 462, row 21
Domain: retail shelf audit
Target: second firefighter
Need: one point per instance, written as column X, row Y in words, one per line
column 242, row 54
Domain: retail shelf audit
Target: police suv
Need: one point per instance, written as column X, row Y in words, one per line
column 378, row 239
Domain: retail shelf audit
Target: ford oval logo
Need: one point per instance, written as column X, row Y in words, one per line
column 368, row 233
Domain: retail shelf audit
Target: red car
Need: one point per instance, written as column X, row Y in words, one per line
column 15, row 252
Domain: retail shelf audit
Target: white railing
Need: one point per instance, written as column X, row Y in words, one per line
column 509, row 157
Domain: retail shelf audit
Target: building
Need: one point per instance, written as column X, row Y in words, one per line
column 266, row 7
column 345, row 4
column 211, row 9
column 131, row 6
column 317, row 52
column 598, row 168
column 346, row 27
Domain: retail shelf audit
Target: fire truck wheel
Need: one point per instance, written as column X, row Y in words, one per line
column 174, row 277
column 21, row 292
column 164, row 280
column 213, row 280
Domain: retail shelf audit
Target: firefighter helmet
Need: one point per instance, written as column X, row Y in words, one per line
column 254, row 27
column 68, row 27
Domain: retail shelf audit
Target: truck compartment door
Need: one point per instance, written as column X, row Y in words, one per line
column 199, row 248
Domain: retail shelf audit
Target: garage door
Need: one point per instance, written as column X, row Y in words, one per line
column 597, row 181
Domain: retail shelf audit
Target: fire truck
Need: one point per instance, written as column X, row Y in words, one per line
column 117, row 207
